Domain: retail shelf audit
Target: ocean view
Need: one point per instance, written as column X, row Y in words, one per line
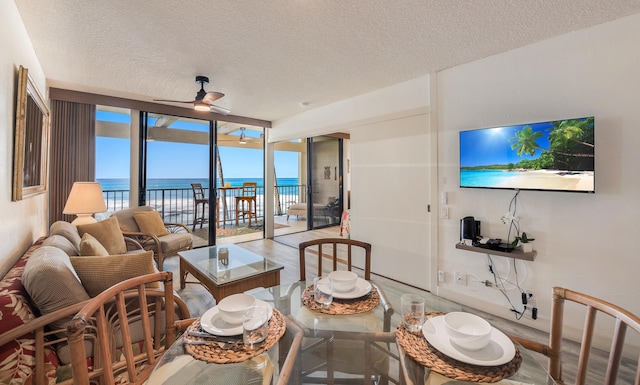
column 159, row 184
column 173, row 197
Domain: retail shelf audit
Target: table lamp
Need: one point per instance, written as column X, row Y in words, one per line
column 85, row 199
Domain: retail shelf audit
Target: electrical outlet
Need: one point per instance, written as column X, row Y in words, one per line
column 444, row 212
column 441, row 276
column 461, row 278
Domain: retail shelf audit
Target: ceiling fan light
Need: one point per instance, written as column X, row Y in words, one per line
column 219, row 110
column 199, row 106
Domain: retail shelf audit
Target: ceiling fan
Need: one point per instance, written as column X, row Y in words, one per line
column 204, row 99
column 242, row 138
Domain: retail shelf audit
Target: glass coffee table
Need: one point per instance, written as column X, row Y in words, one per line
column 242, row 270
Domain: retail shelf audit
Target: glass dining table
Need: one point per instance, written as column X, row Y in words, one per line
column 359, row 341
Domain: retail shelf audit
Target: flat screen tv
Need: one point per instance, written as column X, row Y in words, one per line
column 550, row 156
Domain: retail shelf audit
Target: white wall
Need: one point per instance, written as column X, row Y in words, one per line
column 390, row 166
column 584, row 241
column 24, row 221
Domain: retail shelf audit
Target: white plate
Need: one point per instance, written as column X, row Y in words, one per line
column 500, row 349
column 211, row 322
column 363, row 287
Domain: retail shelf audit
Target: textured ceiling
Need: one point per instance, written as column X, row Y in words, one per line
column 269, row 56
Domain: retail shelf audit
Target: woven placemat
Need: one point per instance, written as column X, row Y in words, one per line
column 343, row 306
column 239, row 353
column 417, row 347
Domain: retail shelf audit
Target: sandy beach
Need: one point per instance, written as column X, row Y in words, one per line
column 551, row 179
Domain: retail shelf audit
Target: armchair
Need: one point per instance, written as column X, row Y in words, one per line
column 165, row 242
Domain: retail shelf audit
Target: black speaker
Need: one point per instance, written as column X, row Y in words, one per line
column 469, row 229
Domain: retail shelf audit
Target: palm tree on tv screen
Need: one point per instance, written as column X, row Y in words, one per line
column 570, row 145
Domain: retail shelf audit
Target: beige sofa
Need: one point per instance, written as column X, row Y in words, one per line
column 45, row 288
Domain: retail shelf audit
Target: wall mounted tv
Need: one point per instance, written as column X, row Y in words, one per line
column 550, row 156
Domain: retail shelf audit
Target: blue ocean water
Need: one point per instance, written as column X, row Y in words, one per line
column 153, row 184
column 484, row 178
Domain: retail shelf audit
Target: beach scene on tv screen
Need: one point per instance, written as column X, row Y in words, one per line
column 554, row 155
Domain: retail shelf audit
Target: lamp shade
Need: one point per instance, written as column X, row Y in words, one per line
column 85, row 198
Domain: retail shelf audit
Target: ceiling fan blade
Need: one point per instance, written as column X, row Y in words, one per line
column 219, row 110
column 173, row 101
column 211, row 97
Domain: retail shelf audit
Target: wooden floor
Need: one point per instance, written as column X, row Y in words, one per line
column 284, row 250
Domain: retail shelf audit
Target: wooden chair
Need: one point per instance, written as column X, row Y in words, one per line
column 624, row 320
column 107, row 320
column 199, row 200
column 246, row 202
column 340, row 252
column 334, row 254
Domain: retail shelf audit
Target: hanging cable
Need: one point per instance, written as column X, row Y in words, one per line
column 499, row 284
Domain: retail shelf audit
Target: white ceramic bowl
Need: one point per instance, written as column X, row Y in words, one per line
column 343, row 281
column 231, row 307
column 467, row 330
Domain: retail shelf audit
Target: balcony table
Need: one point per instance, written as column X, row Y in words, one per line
column 284, row 363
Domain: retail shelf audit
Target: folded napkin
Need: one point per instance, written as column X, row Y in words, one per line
column 438, row 379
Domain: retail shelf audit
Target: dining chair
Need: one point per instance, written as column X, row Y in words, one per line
column 106, row 324
column 246, row 204
column 334, row 249
column 624, row 320
column 340, row 254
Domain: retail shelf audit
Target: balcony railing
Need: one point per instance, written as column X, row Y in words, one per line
column 176, row 205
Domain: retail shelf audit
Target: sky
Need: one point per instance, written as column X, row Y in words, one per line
column 489, row 146
column 182, row 160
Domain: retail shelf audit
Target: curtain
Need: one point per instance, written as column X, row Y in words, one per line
column 73, row 143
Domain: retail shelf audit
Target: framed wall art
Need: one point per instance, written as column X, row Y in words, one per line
column 31, row 140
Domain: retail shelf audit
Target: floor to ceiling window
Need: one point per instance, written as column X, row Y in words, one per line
column 317, row 200
column 153, row 159
column 113, row 149
column 175, row 167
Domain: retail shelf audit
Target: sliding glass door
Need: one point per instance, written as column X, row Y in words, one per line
column 175, row 173
column 325, row 183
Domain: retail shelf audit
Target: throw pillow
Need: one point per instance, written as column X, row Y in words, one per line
column 100, row 273
column 89, row 245
column 17, row 357
column 52, row 283
column 150, row 222
column 108, row 234
column 61, row 243
column 68, row 231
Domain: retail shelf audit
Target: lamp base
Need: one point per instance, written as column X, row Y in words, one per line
column 83, row 219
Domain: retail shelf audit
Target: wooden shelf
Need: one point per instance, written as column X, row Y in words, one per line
column 515, row 253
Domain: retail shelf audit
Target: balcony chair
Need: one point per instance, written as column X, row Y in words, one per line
column 109, row 320
column 341, row 253
column 624, row 320
column 165, row 239
column 199, row 199
column 246, row 204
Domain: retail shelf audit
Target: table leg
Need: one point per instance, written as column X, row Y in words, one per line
column 183, row 274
